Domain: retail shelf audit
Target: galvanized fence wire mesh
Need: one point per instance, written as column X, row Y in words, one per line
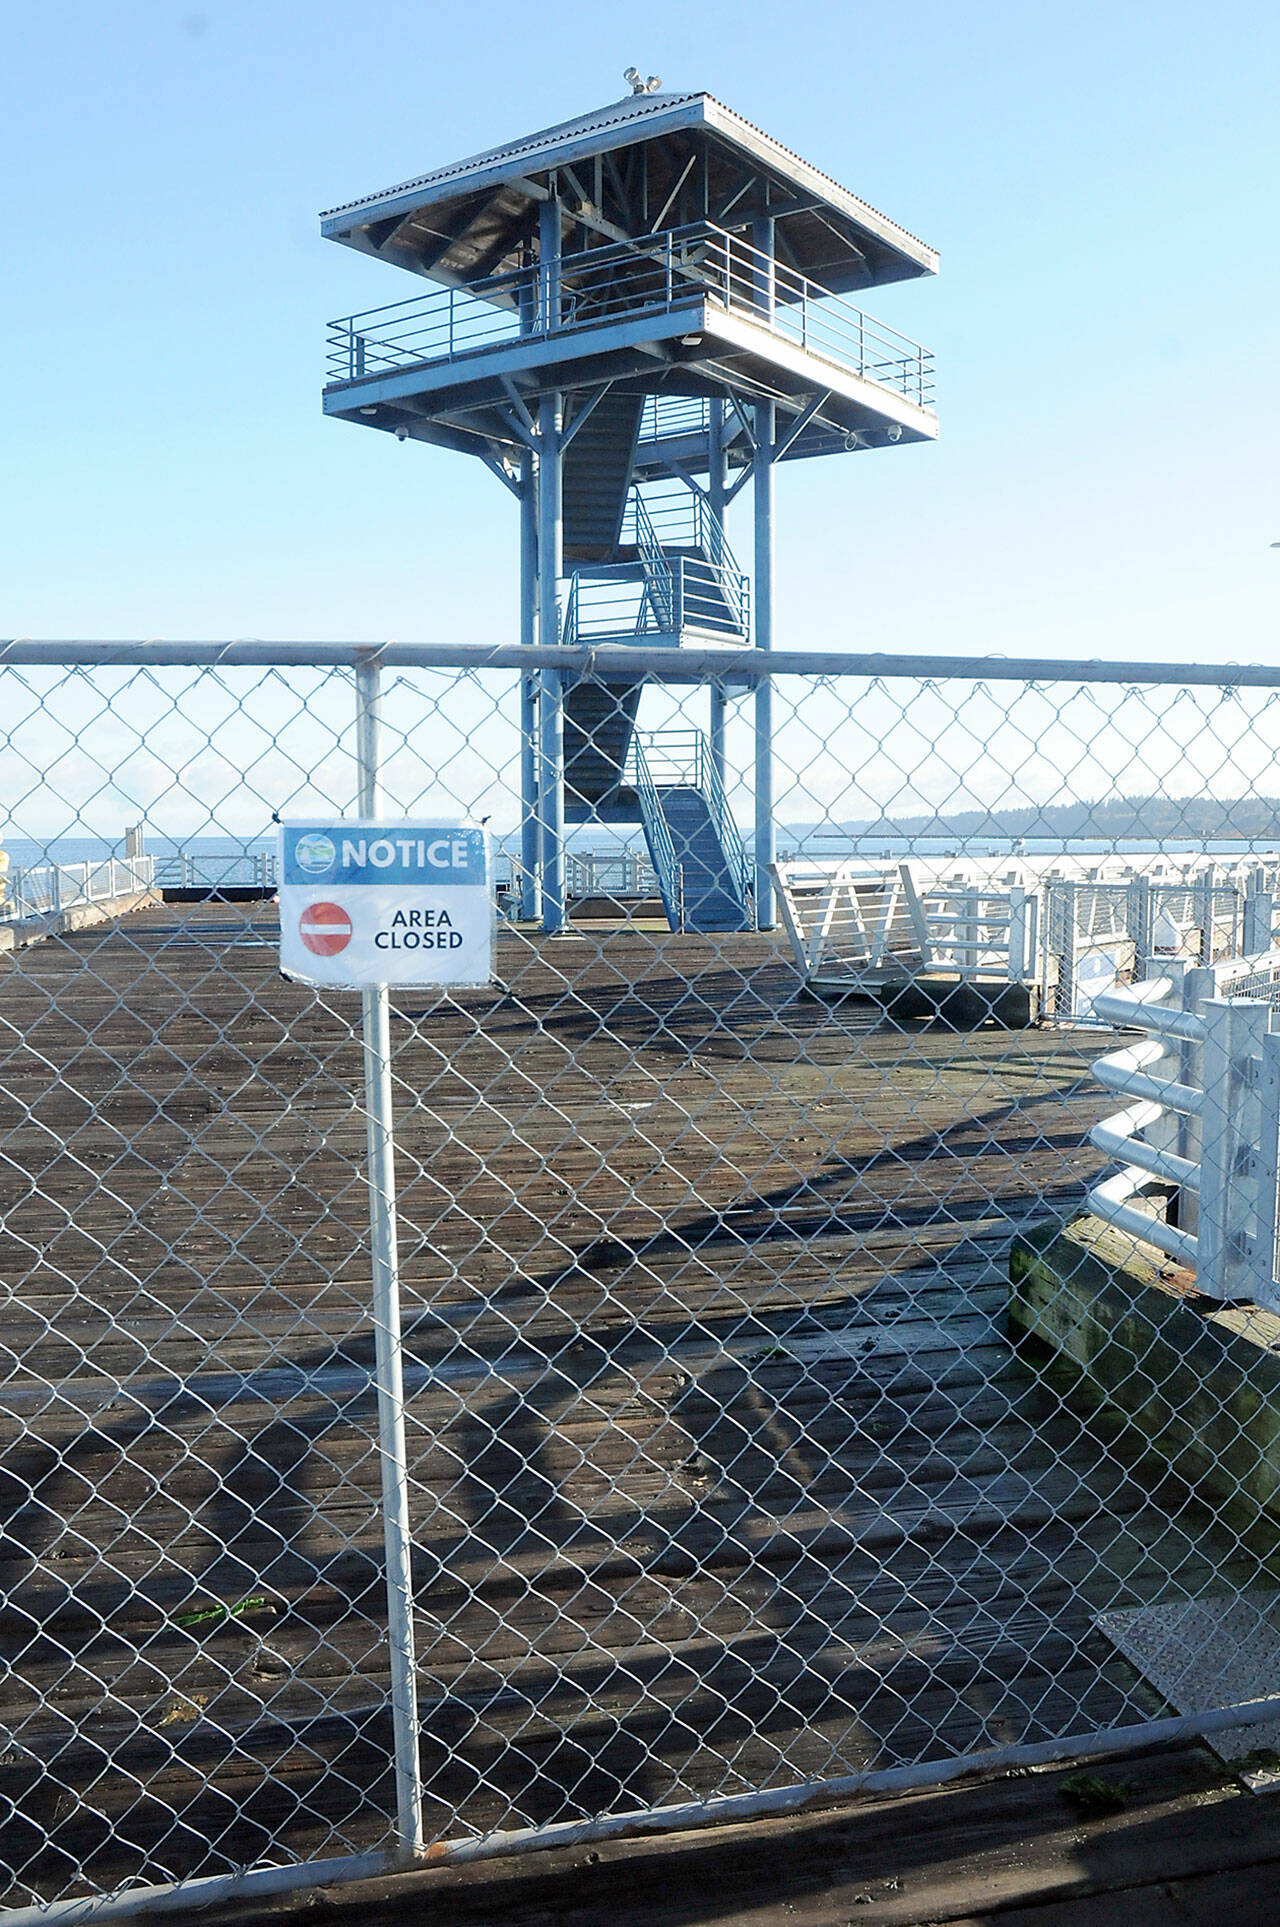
column 729, row 1476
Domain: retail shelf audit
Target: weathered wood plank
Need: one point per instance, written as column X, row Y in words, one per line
column 717, row 1447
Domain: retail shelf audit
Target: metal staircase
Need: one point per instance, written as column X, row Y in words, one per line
column 683, row 530
column 672, row 576
column 694, row 844
column 599, row 718
column 596, row 476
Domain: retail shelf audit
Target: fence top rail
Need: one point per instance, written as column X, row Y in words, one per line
column 621, row 661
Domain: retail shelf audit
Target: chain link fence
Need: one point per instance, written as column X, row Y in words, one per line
column 729, row 1478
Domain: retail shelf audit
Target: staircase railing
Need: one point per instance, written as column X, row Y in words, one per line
column 661, row 584
column 740, row 866
column 684, row 519
column 682, row 759
column 657, row 832
column 670, row 591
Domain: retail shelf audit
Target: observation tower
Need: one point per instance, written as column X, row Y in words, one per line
column 635, row 314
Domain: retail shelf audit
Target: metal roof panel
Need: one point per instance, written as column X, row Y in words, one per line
column 514, row 156
column 637, row 117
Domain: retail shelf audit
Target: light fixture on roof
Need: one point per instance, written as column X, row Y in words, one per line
column 639, row 86
column 894, row 433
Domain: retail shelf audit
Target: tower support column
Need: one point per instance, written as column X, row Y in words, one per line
column 716, row 503
column 551, row 682
column 762, row 500
column 530, row 884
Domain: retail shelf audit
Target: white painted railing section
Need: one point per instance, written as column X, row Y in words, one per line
column 1205, row 1118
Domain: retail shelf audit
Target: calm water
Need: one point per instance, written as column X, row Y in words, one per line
column 25, row 851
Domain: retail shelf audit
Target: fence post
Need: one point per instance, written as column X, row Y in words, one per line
column 1214, row 1158
column 1060, row 944
column 1228, row 1258
column 1268, row 1225
column 1194, row 983
column 388, row 1367
column 1202, row 910
column 1138, row 919
column 1020, row 942
column 1259, row 915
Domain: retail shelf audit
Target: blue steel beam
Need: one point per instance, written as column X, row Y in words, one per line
column 762, row 502
column 550, row 569
column 530, row 881
column 716, row 453
column 551, row 685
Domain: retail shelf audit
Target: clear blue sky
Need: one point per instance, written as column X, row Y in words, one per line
column 1100, row 181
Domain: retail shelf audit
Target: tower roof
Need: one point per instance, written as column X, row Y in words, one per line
column 471, row 218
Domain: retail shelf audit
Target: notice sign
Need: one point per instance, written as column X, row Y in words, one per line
column 385, row 903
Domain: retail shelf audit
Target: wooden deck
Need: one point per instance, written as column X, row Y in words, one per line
column 725, row 1473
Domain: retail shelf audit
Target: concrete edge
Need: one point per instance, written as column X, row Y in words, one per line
column 1201, row 1381
column 79, row 916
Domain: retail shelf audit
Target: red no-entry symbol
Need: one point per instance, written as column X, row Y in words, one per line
column 325, row 928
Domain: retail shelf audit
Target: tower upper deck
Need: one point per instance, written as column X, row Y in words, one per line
column 662, row 242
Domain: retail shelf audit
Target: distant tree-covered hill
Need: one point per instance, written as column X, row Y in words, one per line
column 1144, row 817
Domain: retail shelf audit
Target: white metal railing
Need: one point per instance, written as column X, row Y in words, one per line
column 202, row 869
column 860, row 917
column 1204, row 1119
column 46, row 889
column 598, row 873
column 1082, row 925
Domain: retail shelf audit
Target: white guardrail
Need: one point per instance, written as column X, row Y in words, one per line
column 46, row 889
column 1076, row 926
column 1204, row 1119
column 868, row 917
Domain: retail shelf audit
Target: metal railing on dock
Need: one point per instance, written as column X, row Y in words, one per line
column 198, row 870
column 1205, row 1120
column 1074, row 927
column 47, row 889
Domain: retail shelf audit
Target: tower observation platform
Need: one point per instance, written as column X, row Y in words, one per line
column 632, row 315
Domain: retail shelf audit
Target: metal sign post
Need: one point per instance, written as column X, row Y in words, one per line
column 388, row 1353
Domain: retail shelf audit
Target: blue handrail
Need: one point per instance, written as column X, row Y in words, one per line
column 727, row 830
column 658, row 836
column 687, row 763
column 659, row 579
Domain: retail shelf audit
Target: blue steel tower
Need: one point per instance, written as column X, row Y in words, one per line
column 636, row 313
